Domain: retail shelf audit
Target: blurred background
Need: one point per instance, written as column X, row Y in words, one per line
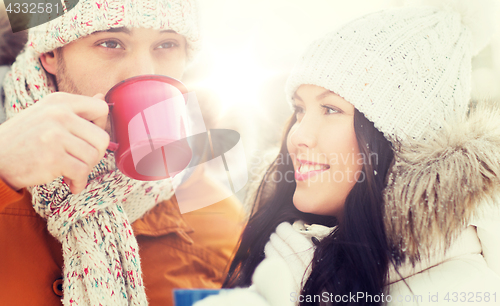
column 249, row 49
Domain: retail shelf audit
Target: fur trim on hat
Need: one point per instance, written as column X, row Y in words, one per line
column 436, row 185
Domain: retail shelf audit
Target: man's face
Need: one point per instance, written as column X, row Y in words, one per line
column 95, row 63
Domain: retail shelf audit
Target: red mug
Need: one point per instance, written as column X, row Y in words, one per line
column 148, row 120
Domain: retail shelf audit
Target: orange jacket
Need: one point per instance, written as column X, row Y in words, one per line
column 177, row 251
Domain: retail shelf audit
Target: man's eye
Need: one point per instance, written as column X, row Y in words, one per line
column 111, row 44
column 167, row 45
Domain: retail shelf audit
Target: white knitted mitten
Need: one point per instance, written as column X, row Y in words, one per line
column 272, row 286
column 293, row 244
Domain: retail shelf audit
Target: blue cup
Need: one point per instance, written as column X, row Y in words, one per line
column 187, row 297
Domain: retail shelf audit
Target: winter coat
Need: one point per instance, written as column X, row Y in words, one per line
column 462, row 274
column 442, row 212
column 190, row 250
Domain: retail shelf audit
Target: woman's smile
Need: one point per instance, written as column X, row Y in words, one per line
column 306, row 169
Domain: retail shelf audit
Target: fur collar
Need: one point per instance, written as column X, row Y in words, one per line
column 437, row 185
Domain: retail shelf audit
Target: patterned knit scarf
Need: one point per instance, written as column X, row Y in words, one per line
column 101, row 259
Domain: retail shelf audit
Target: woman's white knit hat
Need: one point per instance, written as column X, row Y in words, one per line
column 406, row 69
column 89, row 16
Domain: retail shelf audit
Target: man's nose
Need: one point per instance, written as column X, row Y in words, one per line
column 140, row 62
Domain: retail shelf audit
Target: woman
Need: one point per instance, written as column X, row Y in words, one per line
column 392, row 164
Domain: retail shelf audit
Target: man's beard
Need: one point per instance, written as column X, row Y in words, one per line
column 63, row 80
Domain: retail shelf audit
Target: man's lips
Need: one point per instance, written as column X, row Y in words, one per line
column 306, row 169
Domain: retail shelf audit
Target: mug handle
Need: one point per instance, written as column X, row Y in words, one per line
column 113, row 146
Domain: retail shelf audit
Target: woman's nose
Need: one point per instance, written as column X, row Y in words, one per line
column 305, row 133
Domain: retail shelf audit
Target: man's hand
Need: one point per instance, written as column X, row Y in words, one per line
column 61, row 135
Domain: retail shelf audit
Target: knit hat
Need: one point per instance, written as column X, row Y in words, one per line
column 406, row 69
column 88, row 17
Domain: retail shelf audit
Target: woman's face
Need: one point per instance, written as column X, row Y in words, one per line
column 324, row 150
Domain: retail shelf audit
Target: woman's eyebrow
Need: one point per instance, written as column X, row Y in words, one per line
column 296, row 96
column 326, row 93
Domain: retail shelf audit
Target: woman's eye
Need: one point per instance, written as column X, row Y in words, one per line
column 111, row 44
column 330, row 110
column 167, row 45
column 298, row 110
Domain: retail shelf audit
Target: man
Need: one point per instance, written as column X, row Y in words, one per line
column 53, row 97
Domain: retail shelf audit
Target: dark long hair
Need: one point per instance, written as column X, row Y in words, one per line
column 353, row 258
